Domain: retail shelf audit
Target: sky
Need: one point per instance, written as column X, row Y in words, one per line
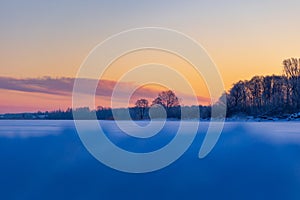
column 48, row 40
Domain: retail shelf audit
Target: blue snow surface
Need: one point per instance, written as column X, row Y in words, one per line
column 251, row 160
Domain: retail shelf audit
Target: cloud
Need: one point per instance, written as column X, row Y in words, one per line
column 47, row 85
column 64, row 87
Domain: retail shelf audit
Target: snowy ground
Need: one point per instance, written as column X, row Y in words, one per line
column 253, row 160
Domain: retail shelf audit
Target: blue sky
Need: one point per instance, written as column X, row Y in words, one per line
column 51, row 38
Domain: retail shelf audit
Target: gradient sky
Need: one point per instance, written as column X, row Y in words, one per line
column 51, row 38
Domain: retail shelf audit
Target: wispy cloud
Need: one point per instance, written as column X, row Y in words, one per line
column 64, row 86
column 47, row 85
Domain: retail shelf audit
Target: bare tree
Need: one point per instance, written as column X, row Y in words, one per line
column 142, row 105
column 167, row 99
column 238, row 97
column 291, row 68
column 255, row 88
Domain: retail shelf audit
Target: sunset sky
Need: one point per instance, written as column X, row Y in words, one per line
column 43, row 43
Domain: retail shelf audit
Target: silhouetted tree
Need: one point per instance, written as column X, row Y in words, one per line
column 169, row 101
column 291, row 68
column 142, row 105
column 104, row 113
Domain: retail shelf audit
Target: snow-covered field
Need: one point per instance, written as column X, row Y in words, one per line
column 252, row 160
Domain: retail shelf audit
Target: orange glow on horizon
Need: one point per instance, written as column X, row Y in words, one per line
column 15, row 101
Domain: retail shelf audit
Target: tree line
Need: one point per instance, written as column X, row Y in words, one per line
column 276, row 95
column 261, row 96
column 165, row 105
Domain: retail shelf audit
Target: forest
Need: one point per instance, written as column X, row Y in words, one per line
column 276, row 95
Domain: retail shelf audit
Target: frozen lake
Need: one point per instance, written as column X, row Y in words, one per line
column 46, row 160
